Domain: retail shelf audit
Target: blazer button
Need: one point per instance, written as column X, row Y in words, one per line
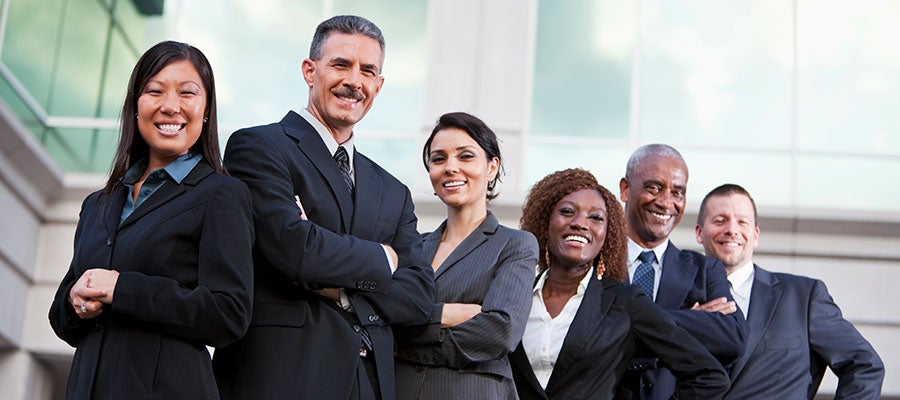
column 419, row 368
column 108, row 242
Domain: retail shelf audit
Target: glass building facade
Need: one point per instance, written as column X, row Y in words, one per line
column 795, row 100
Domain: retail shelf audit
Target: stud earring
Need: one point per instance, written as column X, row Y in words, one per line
column 205, row 120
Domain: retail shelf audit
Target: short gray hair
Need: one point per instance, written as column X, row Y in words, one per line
column 346, row 24
column 651, row 150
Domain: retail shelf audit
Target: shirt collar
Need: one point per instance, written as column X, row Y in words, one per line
column 582, row 286
column 329, row 141
column 741, row 275
column 634, row 250
column 177, row 170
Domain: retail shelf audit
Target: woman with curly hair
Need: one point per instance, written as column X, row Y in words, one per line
column 585, row 322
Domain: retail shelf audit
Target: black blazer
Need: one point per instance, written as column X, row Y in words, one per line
column 688, row 277
column 595, row 354
column 184, row 257
column 796, row 330
column 301, row 345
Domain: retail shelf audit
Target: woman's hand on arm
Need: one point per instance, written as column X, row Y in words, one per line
column 457, row 313
column 93, row 289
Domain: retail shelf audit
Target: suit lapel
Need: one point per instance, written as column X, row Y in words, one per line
column 368, row 190
column 520, row 360
column 470, row 243
column 167, row 192
column 311, row 145
column 764, row 299
column 113, row 211
column 675, row 282
column 588, row 320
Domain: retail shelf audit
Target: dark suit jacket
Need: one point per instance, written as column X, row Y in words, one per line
column 601, row 340
column 687, row 277
column 301, row 345
column 185, row 282
column 796, row 330
column 494, row 267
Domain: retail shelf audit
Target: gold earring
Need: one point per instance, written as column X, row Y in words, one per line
column 601, row 267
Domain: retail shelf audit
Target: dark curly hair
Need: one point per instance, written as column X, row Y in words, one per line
column 544, row 195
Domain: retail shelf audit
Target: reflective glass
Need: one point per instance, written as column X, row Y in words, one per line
column 847, row 183
column 848, row 88
column 716, row 73
column 402, row 22
column 79, row 66
column 29, row 44
column 582, row 68
column 607, row 162
column 766, row 175
column 84, row 150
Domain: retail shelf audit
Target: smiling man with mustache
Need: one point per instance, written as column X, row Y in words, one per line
column 690, row 286
column 333, row 274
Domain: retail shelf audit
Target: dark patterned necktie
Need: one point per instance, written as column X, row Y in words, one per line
column 644, row 275
column 343, row 160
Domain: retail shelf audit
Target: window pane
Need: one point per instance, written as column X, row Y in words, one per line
column 766, row 175
column 716, row 73
column 82, row 150
column 76, row 81
column 397, row 156
column 847, row 183
column 847, row 77
column 606, row 162
column 32, row 28
column 402, row 22
column 582, row 69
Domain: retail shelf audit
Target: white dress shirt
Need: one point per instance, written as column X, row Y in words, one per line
column 544, row 335
column 634, row 250
column 742, row 285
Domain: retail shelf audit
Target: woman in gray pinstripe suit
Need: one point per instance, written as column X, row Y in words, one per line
column 483, row 276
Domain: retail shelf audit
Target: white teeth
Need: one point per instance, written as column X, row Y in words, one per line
column 454, row 183
column 661, row 216
column 576, row 238
column 349, row 99
column 170, row 127
column 731, row 244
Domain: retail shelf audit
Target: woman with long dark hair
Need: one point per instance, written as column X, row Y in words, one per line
column 162, row 262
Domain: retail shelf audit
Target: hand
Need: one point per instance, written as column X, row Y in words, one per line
column 330, row 293
column 457, row 313
column 721, row 305
column 82, row 297
column 105, row 280
column 300, row 205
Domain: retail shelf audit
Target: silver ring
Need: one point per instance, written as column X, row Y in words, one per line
column 83, row 307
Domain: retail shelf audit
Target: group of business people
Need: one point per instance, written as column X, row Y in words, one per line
column 298, row 259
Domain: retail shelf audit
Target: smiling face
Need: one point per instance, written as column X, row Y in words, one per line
column 728, row 231
column 170, row 109
column 343, row 82
column 577, row 229
column 459, row 169
column 654, row 199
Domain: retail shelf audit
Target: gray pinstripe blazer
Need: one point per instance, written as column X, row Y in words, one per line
column 494, row 267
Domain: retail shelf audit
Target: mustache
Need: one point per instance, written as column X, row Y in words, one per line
column 350, row 92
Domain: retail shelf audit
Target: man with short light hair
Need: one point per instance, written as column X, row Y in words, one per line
column 795, row 328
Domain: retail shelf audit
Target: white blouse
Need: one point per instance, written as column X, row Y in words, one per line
column 544, row 335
